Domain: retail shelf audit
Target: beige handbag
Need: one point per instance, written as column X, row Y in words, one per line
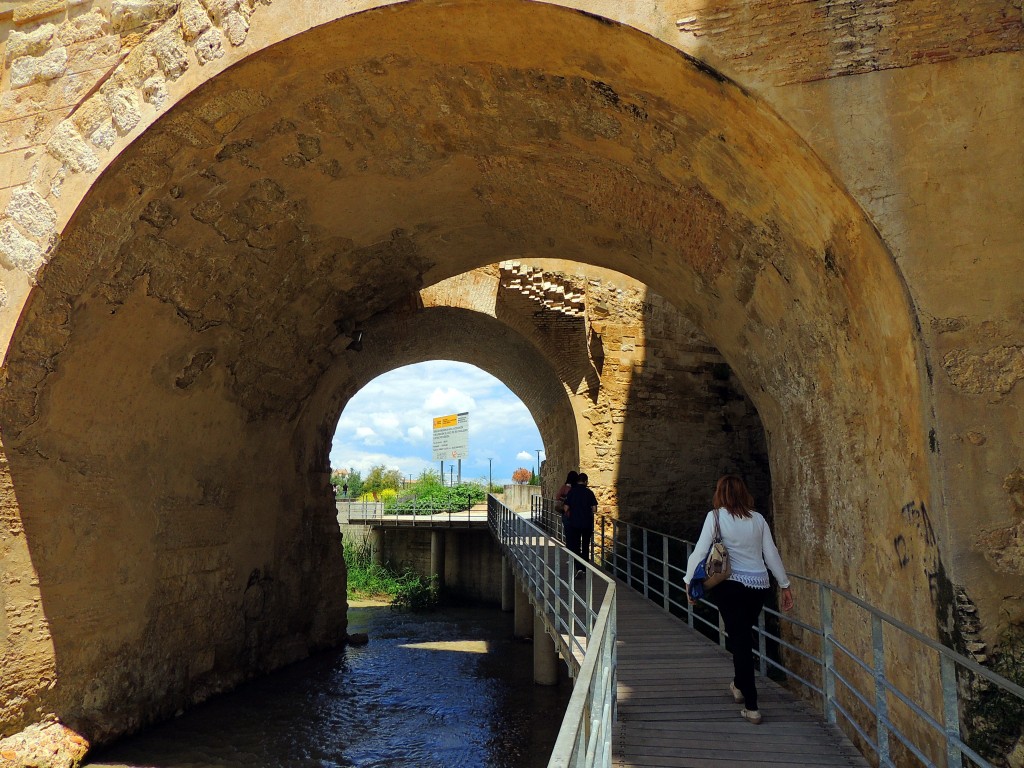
column 717, row 563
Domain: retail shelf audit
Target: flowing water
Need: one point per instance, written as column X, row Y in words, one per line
column 443, row 690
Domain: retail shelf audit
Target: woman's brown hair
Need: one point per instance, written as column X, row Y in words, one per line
column 731, row 493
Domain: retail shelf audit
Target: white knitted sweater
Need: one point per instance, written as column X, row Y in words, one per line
column 751, row 547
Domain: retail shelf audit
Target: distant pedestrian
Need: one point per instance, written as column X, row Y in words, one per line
column 579, row 525
column 344, row 491
column 563, row 510
column 740, row 598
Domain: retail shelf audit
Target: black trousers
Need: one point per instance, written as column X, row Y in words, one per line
column 740, row 606
column 578, row 540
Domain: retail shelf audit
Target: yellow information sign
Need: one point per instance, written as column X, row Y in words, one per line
column 451, row 437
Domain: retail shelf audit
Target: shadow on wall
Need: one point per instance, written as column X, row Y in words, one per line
column 686, row 420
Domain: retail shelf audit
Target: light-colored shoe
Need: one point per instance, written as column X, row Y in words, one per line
column 737, row 694
column 751, row 716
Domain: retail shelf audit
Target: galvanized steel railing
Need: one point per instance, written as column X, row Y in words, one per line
column 582, row 624
column 822, row 658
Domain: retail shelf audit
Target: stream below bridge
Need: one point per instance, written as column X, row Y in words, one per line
column 451, row 689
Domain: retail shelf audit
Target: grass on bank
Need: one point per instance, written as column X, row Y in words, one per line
column 405, row 590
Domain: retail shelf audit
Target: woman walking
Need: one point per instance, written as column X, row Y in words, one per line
column 740, row 598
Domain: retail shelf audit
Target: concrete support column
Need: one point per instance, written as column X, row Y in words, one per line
column 508, row 586
column 437, row 543
column 522, row 621
column 377, row 546
column 545, row 657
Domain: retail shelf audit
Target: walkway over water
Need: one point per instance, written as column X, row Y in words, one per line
column 671, row 684
column 675, row 708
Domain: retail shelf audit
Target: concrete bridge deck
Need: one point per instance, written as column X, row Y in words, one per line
column 372, row 514
column 675, row 709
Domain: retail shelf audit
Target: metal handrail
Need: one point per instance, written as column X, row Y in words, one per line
column 655, row 563
column 583, row 631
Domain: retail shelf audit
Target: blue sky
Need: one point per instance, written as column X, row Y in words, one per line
column 390, row 422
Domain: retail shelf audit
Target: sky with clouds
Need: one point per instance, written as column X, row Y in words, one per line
column 390, row 422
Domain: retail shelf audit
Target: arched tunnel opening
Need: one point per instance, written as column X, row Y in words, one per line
column 171, row 389
column 389, row 423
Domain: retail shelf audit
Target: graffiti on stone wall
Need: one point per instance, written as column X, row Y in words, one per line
column 916, row 515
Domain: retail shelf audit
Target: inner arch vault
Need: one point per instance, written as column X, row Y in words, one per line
column 167, row 386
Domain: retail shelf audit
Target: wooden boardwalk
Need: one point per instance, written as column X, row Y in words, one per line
column 675, row 708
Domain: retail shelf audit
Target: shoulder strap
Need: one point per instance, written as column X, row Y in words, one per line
column 718, row 528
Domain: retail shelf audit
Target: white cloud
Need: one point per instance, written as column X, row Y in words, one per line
column 442, row 402
column 392, row 415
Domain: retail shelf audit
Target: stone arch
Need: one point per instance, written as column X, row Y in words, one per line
column 216, row 263
column 653, row 440
column 452, row 333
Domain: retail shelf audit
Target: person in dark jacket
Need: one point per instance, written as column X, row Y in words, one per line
column 563, row 510
column 579, row 525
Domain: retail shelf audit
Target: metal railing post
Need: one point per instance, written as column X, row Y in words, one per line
column 689, row 608
column 645, row 564
column 828, row 677
column 629, row 556
column 951, row 711
column 762, row 646
column 881, row 697
column 665, row 574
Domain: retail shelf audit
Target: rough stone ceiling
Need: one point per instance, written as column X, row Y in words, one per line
column 329, row 177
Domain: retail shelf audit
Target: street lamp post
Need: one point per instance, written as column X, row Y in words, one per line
column 490, row 474
column 538, row 462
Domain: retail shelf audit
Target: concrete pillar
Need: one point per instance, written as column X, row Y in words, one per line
column 545, row 657
column 437, row 556
column 508, row 586
column 377, row 546
column 522, row 622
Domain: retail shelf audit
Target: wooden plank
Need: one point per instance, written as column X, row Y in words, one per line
column 675, row 709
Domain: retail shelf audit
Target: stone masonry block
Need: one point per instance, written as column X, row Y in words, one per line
column 96, row 54
column 209, row 46
column 89, row 26
column 32, row 212
column 194, row 19
column 30, row 43
column 39, row 9
column 124, row 110
column 68, row 146
column 236, row 27
column 170, row 53
column 17, row 251
column 34, row 69
column 127, row 15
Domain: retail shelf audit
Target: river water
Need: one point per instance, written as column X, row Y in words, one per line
column 438, row 690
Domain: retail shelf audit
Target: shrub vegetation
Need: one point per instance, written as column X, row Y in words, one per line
column 367, row 579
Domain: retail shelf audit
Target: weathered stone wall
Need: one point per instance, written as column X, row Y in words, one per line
column 659, row 414
column 841, row 221
column 170, row 573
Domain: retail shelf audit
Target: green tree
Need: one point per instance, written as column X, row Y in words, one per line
column 429, row 478
column 350, row 477
column 355, row 483
column 379, row 478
